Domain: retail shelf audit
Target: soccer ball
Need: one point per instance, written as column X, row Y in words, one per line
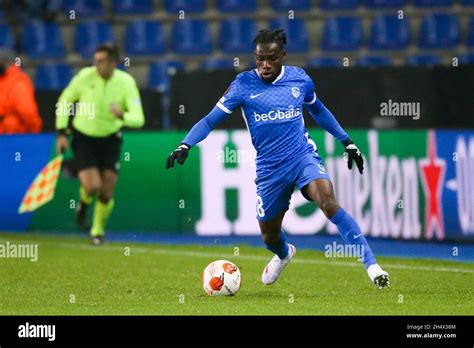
column 221, row 278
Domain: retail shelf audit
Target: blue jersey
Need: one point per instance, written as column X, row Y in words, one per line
column 273, row 113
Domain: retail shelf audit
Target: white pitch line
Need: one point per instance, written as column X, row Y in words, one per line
column 163, row 251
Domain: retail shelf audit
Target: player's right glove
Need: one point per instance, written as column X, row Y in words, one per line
column 180, row 154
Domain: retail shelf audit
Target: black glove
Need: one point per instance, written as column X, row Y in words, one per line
column 181, row 153
column 353, row 153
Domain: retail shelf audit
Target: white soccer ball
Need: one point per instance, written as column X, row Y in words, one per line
column 221, row 278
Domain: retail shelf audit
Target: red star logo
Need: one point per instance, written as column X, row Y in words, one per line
column 432, row 175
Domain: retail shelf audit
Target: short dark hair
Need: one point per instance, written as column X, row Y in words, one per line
column 111, row 50
column 270, row 36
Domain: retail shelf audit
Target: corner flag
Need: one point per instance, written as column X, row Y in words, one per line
column 41, row 191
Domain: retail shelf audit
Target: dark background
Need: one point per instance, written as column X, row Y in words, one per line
column 446, row 96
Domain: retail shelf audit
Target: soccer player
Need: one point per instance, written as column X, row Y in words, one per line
column 107, row 99
column 271, row 98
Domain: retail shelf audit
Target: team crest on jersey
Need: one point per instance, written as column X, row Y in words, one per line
column 295, row 91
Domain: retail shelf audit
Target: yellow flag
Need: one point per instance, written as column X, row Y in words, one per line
column 41, row 191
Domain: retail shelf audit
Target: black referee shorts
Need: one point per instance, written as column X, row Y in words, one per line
column 101, row 153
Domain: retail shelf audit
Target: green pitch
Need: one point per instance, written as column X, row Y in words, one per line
column 72, row 277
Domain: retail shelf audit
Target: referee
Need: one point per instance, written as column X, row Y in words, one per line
column 103, row 99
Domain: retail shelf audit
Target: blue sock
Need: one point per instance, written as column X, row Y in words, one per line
column 280, row 248
column 349, row 229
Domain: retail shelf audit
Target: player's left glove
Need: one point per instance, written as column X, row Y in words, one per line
column 353, row 154
column 180, row 154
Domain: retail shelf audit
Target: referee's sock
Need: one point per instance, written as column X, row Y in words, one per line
column 85, row 198
column 351, row 233
column 101, row 215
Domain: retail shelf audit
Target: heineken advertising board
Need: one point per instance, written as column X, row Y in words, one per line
column 416, row 185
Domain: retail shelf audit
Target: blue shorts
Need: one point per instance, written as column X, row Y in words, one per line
column 274, row 190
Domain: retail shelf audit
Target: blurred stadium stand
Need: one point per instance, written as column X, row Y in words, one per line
column 191, row 37
column 42, row 40
column 214, row 33
column 342, row 34
column 423, row 59
column 132, row 7
column 160, row 73
column 84, row 8
column 374, row 61
column 384, row 4
column 52, row 76
column 144, row 38
column 88, row 35
column 439, row 31
column 236, row 6
column 236, row 35
column 318, row 62
column 387, row 32
column 329, row 5
column 296, row 33
column 6, row 37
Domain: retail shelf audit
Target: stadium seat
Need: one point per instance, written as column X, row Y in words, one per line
column 324, row 62
column 6, row 37
column 159, row 74
column 132, row 7
column 389, row 33
column 423, row 59
column 374, row 61
column 439, row 31
column 217, row 64
column 144, row 38
column 466, row 59
column 229, row 6
column 91, row 34
column 470, row 32
column 84, row 8
column 433, row 3
column 53, row 76
column 121, row 66
column 329, row 5
column 296, row 33
column 286, row 5
column 380, row 4
column 236, row 35
column 342, row 34
column 191, row 36
column 42, row 40
column 191, row 6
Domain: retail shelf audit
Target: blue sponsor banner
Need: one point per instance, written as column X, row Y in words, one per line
column 21, row 159
column 455, row 150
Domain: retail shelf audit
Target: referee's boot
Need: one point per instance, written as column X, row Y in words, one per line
column 97, row 240
column 81, row 216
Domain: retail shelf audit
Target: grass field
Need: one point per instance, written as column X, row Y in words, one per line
column 71, row 277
